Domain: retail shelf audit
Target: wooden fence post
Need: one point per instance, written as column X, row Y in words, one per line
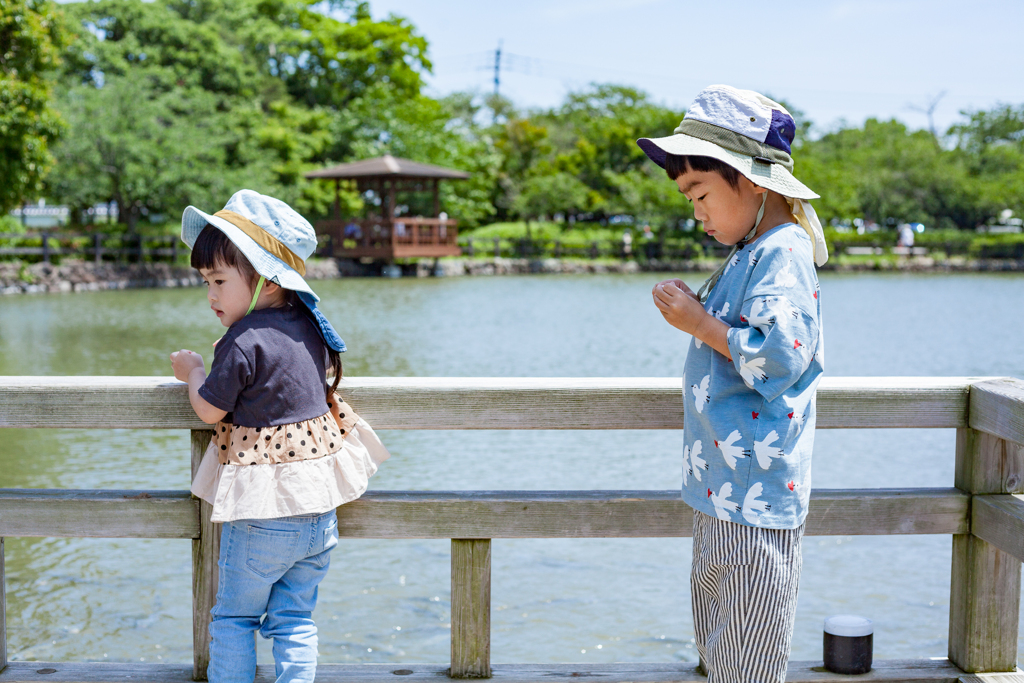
column 984, row 600
column 471, row 608
column 3, row 610
column 497, row 247
column 97, row 247
column 205, row 553
column 469, row 247
column 46, row 248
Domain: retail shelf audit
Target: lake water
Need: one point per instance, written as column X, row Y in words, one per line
column 553, row 600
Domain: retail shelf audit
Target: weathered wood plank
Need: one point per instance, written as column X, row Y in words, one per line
column 205, row 553
column 98, row 513
column 999, row 519
column 471, row 608
column 479, row 514
column 984, row 601
column 481, row 403
column 997, row 407
column 626, row 514
column 892, row 671
column 998, row 467
column 1015, row 677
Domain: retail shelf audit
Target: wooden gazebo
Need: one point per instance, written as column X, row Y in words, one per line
column 387, row 236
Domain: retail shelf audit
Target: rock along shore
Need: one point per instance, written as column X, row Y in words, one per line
column 80, row 276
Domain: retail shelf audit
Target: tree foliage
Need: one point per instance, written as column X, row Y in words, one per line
column 31, row 37
column 177, row 102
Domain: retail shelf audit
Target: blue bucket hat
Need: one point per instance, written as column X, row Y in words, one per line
column 274, row 238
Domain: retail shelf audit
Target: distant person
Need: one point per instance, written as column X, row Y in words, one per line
column 627, row 243
column 750, row 376
column 650, row 247
column 286, row 450
column 906, row 235
column 353, row 231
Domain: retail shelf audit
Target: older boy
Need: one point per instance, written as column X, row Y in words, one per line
column 750, row 376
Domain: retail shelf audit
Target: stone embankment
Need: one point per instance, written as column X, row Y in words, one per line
column 19, row 278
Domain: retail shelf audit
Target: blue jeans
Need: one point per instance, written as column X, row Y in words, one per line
column 269, row 567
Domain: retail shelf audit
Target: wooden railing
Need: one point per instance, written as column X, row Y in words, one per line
column 412, row 235
column 980, row 511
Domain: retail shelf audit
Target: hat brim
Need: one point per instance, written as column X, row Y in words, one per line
column 266, row 264
column 770, row 176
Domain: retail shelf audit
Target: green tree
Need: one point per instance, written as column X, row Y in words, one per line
column 31, row 37
column 226, row 94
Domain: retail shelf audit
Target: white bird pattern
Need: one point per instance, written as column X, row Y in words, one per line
column 764, row 450
column 700, row 393
column 724, row 312
column 784, row 278
column 753, row 507
column 730, row 451
column 723, row 506
column 793, row 415
column 734, row 261
column 757, row 317
column 751, row 370
column 752, row 259
column 695, row 459
column 687, row 469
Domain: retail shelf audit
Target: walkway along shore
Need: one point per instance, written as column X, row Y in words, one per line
column 81, row 276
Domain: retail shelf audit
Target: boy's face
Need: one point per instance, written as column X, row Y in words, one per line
column 228, row 292
column 727, row 213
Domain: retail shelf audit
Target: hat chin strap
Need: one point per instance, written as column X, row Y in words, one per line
column 256, row 294
column 709, row 284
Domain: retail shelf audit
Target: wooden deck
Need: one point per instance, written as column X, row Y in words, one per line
column 904, row 670
column 982, row 511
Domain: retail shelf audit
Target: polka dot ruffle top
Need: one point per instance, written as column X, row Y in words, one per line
column 306, row 440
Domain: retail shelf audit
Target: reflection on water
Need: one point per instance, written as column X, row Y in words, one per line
column 553, row 600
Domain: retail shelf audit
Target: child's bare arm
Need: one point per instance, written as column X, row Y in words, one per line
column 681, row 309
column 188, row 367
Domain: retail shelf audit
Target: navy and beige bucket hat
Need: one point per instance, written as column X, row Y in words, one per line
column 751, row 133
column 274, row 238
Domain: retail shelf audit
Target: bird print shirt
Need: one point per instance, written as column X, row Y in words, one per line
column 749, row 422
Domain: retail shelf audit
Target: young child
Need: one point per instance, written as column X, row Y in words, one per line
column 750, row 376
column 286, row 449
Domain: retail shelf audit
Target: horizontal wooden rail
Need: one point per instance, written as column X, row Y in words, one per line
column 98, row 513
column 481, row 514
column 999, row 519
column 480, row 403
column 907, row 670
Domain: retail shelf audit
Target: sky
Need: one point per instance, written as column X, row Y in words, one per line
column 834, row 60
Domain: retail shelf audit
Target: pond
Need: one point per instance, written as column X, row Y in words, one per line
column 586, row 600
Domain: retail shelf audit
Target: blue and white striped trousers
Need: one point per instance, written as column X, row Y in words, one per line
column 744, row 588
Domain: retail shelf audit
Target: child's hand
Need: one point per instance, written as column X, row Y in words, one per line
column 184, row 362
column 679, row 305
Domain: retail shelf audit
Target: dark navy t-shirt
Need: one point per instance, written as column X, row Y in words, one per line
column 269, row 369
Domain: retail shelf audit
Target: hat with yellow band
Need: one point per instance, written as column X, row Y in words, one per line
column 274, row 238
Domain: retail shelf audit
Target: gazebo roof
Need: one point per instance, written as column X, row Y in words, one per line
column 387, row 166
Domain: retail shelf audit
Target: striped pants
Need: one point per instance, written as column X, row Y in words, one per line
column 744, row 587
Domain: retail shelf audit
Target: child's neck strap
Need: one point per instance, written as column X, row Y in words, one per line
column 709, row 284
column 256, row 294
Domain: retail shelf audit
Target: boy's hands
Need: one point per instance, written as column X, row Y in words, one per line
column 679, row 305
column 682, row 309
column 184, row 362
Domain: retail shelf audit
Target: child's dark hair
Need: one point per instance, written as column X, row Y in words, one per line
column 676, row 165
column 213, row 247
